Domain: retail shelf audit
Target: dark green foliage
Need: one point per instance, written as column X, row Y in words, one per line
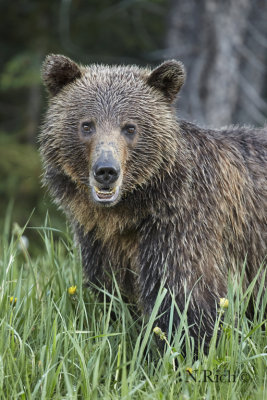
column 20, row 186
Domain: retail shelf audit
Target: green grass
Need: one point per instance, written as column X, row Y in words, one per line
column 54, row 345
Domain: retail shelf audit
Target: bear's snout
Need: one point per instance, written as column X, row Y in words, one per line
column 106, row 172
column 107, row 178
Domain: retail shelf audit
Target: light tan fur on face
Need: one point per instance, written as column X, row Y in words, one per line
column 107, row 140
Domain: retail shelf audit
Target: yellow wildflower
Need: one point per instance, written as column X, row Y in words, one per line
column 162, row 336
column 13, row 300
column 190, row 370
column 224, row 303
column 72, row 290
column 159, row 332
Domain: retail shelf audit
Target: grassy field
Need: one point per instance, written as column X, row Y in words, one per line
column 62, row 343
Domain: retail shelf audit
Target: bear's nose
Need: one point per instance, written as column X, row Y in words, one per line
column 106, row 174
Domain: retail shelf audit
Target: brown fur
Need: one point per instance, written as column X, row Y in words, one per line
column 192, row 202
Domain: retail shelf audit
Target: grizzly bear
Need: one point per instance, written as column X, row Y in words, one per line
column 153, row 199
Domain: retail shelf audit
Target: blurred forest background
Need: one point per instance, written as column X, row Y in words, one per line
column 223, row 44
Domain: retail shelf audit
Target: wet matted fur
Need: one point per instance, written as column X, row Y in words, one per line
column 190, row 204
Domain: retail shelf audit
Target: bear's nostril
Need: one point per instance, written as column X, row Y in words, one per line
column 106, row 174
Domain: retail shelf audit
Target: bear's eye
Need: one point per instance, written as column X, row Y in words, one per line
column 87, row 128
column 129, row 130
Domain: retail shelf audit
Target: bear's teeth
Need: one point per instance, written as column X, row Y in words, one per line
column 105, row 192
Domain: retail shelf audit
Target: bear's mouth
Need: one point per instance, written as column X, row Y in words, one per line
column 105, row 194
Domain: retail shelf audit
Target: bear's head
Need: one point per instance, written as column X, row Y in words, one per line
column 110, row 128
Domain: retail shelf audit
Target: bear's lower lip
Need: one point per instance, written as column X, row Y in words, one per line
column 105, row 195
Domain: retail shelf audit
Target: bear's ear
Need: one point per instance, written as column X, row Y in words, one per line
column 168, row 78
column 58, row 71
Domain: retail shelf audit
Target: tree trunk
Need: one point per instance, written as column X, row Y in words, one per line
column 212, row 38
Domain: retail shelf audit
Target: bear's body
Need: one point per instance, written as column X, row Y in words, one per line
column 151, row 198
